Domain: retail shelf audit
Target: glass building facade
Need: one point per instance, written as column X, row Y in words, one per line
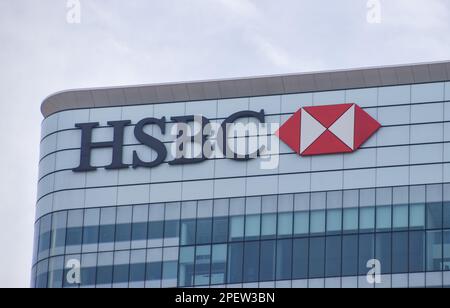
column 311, row 222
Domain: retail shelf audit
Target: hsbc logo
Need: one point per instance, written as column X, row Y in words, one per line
column 331, row 129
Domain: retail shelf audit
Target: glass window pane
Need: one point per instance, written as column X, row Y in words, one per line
column 367, row 218
column 333, row 258
column 139, row 231
column 137, row 272
column 170, row 269
column 154, row 271
column 317, row 221
column 237, row 228
column 301, row 223
column 251, row 262
column 58, row 241
column 188, row 232
column 447, row 215
column 317, row 257
column 284, row 260
column 350, row 219
column 384, row 218
column 366, row 252
column 300, row 259
column 90, row 234
column 434, row 215
column 171, row 229
column 218, row 266
column 400, row 252
column 383, row 251
column 186, row 273
column 107, row 233
column 252, row 226
column 446, row 262
column 417, row 216
column 268, row 226
column 220, row 229
column 202, row 265
column 417, row 251
column 400, row 219
column 350, row 255
column 155, row 229
column 334, row 221
column 284, row 224
column 434, row 251
column 123, row 232
column 204, row 231
column 267, row 266
column 235, row 262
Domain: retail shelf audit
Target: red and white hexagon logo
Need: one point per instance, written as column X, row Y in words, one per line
column 328, row 129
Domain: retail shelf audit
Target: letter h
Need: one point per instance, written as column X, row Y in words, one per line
column 87, row 145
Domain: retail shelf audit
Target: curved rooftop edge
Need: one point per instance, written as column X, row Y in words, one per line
column 246, row 87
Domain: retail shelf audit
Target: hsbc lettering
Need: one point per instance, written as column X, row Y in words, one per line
column 182, row 125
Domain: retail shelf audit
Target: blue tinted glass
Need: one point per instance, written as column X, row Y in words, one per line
column 104, row 274
column 284, row 260
column 155, row 230
column 235, row 259
column 139, row 231
column 400, row 218
column 446, row 215
column 366, row 252
column 121, row 273
column 204, row 231
column 400, row 252
column 434, row 216
column 317, row 257
column 317, row 223
column 350, row 219
column 154, row 271
column 268, row 226
column 350, row 255
column 137, row 272
column 202, row 265
column 367, row 218
column 384, row 251
column 219, row 262
column 333, row 256
column 170, row 269
column 285, row 227
column 220, row 229
column 301, row 223
column 384, row 218
column 434, row 251
column 334, row 221
column 186, row 273
column 446, row 263
column 59, row 237
column 237, row 228
column 188, row 232
column 417, row 251
column 44, row 242
column 252, row 227
column 90, row 235
column 251, row 262
column 123, row 232
column 74, row 236
column 300, row 259
column 88, row 276
column 267, row 266
column 417, row 216
column 107, row 233
column 171, row 229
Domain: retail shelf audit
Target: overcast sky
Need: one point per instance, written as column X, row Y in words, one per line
column 150, row 41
